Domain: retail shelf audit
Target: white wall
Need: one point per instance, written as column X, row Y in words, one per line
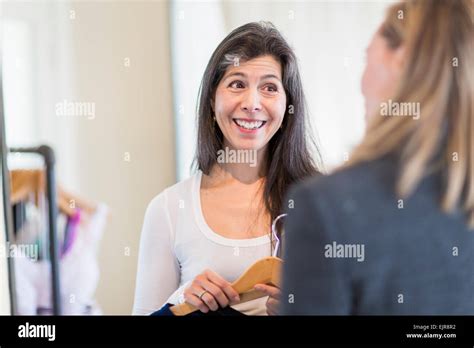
column 196, row 28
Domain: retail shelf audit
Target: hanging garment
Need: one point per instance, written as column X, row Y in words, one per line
column 70, row 233
column 79, row 273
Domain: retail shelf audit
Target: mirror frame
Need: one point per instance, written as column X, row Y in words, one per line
column 7, row 212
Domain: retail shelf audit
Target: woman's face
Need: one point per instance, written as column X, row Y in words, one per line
column 381, row 74
column 250, row 103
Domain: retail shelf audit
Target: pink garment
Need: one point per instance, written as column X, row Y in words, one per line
column 70, row 234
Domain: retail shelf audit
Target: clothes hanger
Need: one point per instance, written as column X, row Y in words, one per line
column 264, row 271
column 25, row 182
column 75, row 201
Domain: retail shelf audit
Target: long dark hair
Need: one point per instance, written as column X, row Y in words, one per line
column 289, row 158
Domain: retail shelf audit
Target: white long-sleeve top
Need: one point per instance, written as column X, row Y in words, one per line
column 177, row 244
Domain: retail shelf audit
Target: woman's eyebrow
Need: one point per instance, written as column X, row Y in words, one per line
column 237, row 73
column 270, row 76
column 241, row 74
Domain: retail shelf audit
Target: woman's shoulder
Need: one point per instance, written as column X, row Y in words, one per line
column 178, row 193
column 352, row 180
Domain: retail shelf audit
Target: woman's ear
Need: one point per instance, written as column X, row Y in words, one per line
column 212, row 105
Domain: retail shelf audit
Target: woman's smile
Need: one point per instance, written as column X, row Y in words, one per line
column 249, row 126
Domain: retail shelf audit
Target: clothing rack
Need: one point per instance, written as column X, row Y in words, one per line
column 49, row 159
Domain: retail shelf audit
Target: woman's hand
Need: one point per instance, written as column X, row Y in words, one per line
column 273, row 302
column 209, row 291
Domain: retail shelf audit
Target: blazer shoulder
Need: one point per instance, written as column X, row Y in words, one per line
column 357, row 180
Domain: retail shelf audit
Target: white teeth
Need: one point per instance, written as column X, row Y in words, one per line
column 249, row 125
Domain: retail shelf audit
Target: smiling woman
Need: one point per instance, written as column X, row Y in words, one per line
column 201, row 234
column 253, row 76
column 251, row 103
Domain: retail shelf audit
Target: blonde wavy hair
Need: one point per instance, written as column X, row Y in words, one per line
column 438, row 41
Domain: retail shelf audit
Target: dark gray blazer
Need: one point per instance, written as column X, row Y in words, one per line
column 353, row 248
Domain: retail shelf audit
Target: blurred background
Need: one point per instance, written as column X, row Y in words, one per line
column 112, row 86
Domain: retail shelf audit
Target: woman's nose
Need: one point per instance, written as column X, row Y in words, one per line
column 251, row 102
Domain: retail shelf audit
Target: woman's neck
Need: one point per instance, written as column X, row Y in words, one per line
column 246, row 173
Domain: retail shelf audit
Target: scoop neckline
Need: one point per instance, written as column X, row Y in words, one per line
column 207, row 230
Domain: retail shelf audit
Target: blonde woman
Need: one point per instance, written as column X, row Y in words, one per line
column 393, row 231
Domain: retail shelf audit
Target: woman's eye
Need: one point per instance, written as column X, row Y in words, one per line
column 271, row 88
column 236, row 84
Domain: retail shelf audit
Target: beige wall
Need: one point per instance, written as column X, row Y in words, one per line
column 133, row 115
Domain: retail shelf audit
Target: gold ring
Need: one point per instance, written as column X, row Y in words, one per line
column 202, row 294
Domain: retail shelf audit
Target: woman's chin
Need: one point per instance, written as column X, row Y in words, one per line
column 250, row 145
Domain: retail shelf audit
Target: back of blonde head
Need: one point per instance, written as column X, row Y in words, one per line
column 438, row 40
